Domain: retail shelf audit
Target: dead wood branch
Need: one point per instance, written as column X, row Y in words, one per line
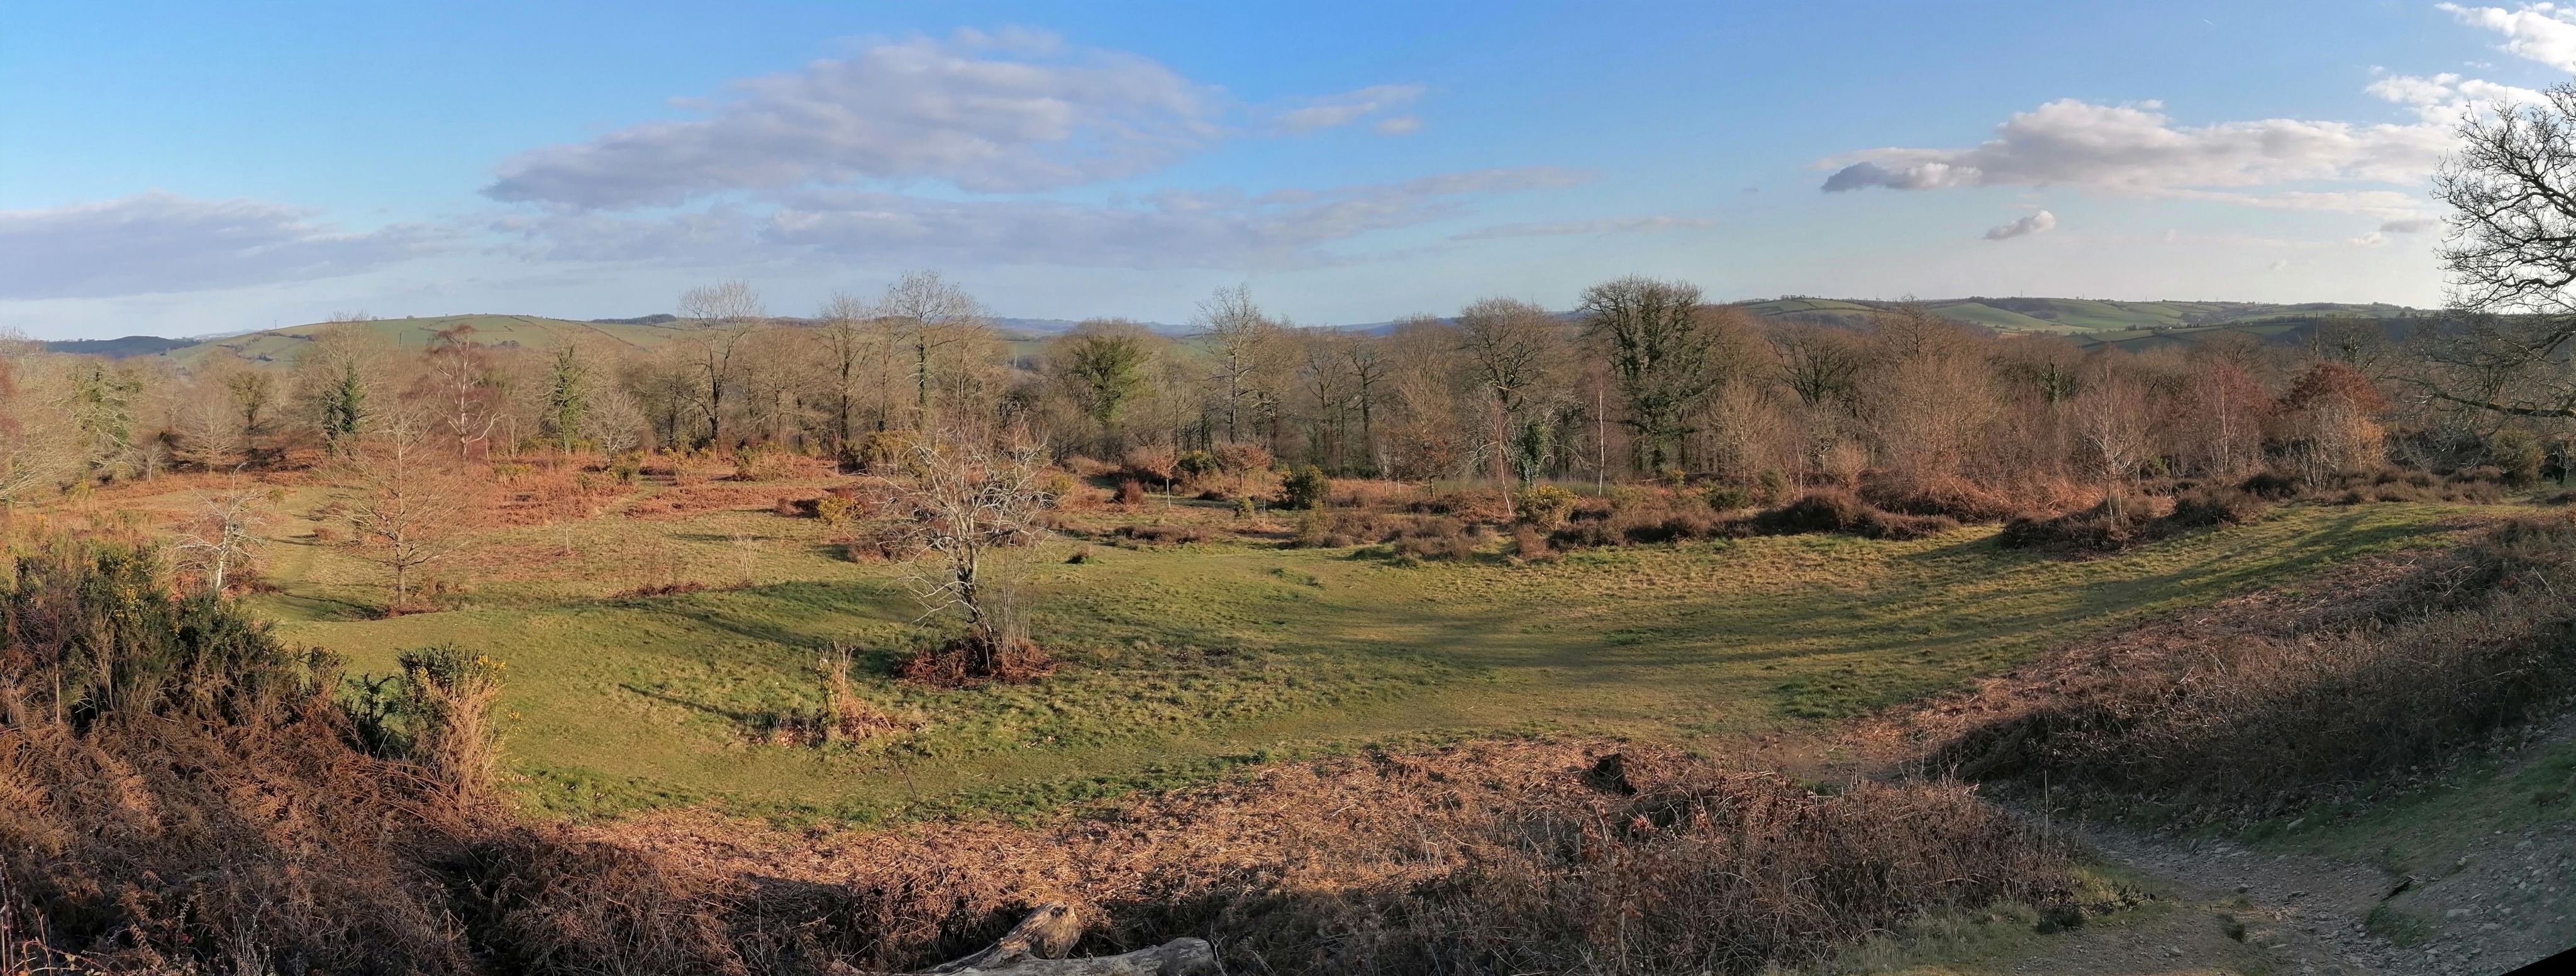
column 1037, row 945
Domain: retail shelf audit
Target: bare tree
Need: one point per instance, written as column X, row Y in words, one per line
column 405, row 511
column 464, row 389
column 2511, row 257
column 725, row 314
column 253, row 395
column 613, row 421
column 2111, row 429
column 1821, row 365
column 223, row 535
column 37, row 446
column 851, row 350
column 967, row 507
column 926, row 313
column 1515, row 347
column 1244, row 347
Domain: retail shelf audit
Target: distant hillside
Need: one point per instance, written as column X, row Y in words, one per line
column 2129, row 325
column 2133, row 326
column 117, row 348
column 280, row 346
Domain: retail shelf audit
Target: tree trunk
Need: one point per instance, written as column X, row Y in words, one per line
column 1037, row 945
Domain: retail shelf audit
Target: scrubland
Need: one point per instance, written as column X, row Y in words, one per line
column 841, row 645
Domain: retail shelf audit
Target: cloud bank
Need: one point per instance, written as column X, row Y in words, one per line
column 2543, row 32
column 985, row 112
column 163, row 242
column 2137, row 150
column 1168, row 229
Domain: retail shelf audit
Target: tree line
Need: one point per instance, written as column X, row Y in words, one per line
column 1643, row 378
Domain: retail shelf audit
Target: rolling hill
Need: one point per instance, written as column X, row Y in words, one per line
column 2134, row 326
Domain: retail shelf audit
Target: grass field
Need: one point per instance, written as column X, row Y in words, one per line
column 1183, row 660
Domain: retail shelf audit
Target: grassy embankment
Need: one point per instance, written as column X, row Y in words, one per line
column 1186, row 659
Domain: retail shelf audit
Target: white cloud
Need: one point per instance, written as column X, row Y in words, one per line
column 1614, row 225
column 1399, row 125
column 2038, row 223
column 2136, row 150
column 162, row 242
column 2543, row 32
column 988, row 113
column 2445, row 97
column 1169, row 229
column 1348, row 107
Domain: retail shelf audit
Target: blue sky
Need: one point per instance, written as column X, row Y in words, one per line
column 182, row 169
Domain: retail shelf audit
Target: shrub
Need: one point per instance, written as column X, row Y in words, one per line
column 1530, row 544
column 1440, row 538
column 1773, row 487
column 2116, row 523
column 1197, row 464
column 1131, row 492
column 1154, row 462
column 1238, row 457
column 1163, row 535
column 1545, row 506
column 2274, row 486
column 762, row 462
column 1724, row 497
column 2517, row 455
column 1305, row 488
column 835, row 510
column 1821, row 510
column 2203, row 507
column 967, row 662
column 1946, row 495
column 1057, row 485
column 1314, row 530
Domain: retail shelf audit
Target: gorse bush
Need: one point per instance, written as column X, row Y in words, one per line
column 436, row 712
column 1304, row 488
column 1545, row 506
column 240, row 823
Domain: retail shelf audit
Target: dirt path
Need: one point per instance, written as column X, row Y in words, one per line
column 2500, row 901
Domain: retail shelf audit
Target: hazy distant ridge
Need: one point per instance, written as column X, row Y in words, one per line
column 2091, row 321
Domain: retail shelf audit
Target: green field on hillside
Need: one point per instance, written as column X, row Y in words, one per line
column 1183, row 659
column 279, row 347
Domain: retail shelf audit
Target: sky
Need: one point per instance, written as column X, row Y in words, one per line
column 191, row 169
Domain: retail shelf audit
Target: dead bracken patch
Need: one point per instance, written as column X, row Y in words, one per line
column 2264, row 703
column 965, row 663
column 1488, row 857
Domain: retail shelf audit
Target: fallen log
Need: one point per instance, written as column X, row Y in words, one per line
column 1036, row 947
